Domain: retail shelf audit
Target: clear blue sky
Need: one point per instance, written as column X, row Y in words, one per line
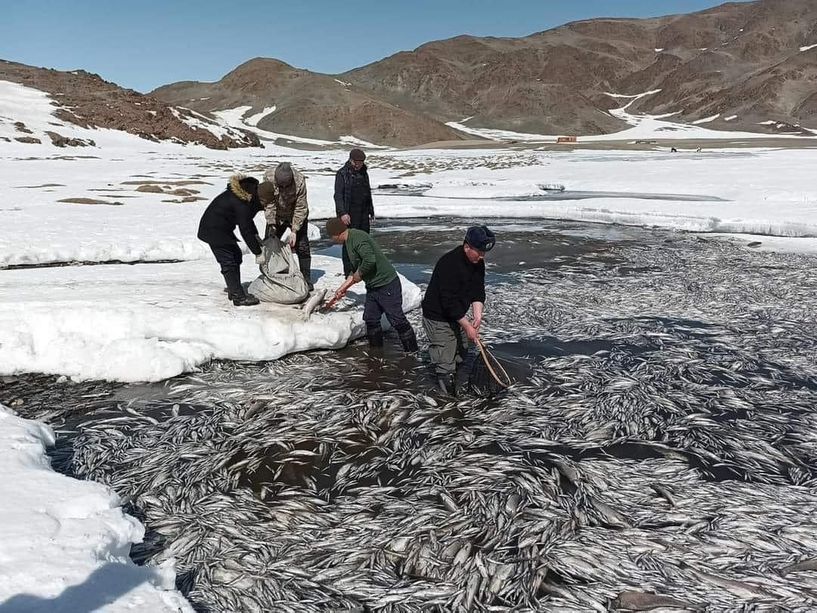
column 142, row 44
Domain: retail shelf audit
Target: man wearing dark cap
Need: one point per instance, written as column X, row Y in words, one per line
column 384, row 294
column 353, row 198
column 283, row 196
column 234, row 207
column 457, row 285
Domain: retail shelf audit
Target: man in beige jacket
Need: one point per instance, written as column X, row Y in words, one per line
column 283, row 196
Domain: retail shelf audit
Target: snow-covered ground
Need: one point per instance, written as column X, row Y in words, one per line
column 149, row 322
column 64, row 543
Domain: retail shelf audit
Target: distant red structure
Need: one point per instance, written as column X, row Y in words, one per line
column 565, row 139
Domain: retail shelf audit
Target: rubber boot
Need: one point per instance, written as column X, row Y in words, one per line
column 245, row 300
column 447, row 384
column 375, row 336
column 305, row 264
column 407, row 338
column 232, row 279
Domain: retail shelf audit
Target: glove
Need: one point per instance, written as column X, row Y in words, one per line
column 259, row 259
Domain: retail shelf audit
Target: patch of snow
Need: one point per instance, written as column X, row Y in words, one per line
column 253, row 120
column 201, row 122
column 65, row 541
column 359, row 142
column 344, row 83
column 807, row 48
column 706, row 120
column 235, row 117
column 768, row 122
column 730, row 118
column 155, row 321
column 780, row 244
column 659, row 50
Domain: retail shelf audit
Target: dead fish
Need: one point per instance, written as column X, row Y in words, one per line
column 645, row 601
column 800, row 566
column 314, row 301
column 663, row 492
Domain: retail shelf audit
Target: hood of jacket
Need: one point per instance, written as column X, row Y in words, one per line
column 235, row 187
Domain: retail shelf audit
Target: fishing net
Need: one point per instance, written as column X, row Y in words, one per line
column 488, row 373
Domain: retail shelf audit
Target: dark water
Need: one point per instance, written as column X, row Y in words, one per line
column 414, row 245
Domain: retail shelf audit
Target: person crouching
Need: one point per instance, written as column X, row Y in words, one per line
column 384, row 294
column 235, row 206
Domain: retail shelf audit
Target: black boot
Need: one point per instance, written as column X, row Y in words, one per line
column 407, row 338
column 232, row 279
column 447, row 384
column 305, row 264
column 375, row 336
column 244, row 300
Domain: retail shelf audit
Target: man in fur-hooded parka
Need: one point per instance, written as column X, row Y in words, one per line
column 234, row 207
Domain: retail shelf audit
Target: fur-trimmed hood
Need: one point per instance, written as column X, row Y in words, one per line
column 235, row 187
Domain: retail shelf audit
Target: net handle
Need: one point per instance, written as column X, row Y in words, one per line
column 485, row 358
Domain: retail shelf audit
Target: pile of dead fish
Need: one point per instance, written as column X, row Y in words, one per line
column 661, row 456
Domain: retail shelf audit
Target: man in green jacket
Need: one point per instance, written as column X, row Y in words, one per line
column 384, row 294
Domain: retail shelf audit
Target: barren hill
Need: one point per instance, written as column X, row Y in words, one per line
column 307, row 104
column 87, row 100
column 752, row 62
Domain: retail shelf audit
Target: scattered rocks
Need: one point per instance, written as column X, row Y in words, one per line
column 28, row 140
column 185, row 200
column 89, row 201
column 151, row 189
column 63, row 141
column 21, row 127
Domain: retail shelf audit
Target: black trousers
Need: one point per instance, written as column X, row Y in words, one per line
column 388, row 300
column 229, row 258
column 360, row 221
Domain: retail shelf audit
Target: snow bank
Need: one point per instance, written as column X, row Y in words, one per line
column 150, row 322
column 64, row 543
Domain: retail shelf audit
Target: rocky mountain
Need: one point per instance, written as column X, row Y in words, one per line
column 86, row 100
column 307, row 104
column 746, row 62
column 742, row 65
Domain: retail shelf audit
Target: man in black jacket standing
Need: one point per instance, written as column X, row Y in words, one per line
column 457, row 285
column 353, row 198
column 235, row 206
